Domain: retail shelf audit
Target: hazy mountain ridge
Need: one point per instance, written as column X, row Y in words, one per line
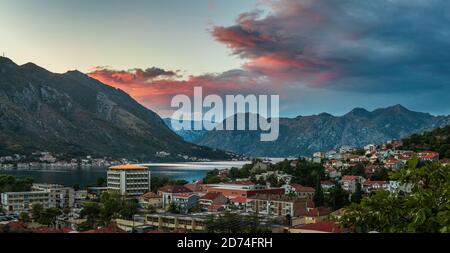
column 304, row 135
column 74, row 113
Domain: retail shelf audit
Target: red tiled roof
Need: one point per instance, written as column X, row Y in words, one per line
column 242, row 183
column 301, row 188
column 17, row 226
column 149, row 195
column 184, row 195
column 349, row 178
column 110, row 229
column 46, row 230
column 239, row 200
column 369, row 182
column 174, row 189
column 430, row 156
column 316, row 212
column 195, row 187
column 211, row 195
column 321, row 226
column 214, row 207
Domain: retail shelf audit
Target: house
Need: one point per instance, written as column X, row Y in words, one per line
column 396, row 186
column 238, row 203
column 276, row 205
column 150, row 200
column 370, row 169
column 242, row 189
column 318, row 227
column 369, row 186
column 130, row 180
column 167, row 193
column 370, row 147
column 349, row 182
column 212, row 201
column 393, row 163
column 185, row 201
column 428, row 156
column 314, row 215
column 24, row 201
column 279, row 175
column 197, row 187
column 326, row 185
column 319, row 155
column 336, row 163
column 299, row 190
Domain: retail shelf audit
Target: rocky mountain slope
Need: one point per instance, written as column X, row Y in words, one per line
column 76, row 114
column 304, row 135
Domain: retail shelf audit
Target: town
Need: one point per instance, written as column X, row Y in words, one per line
column 301, row 195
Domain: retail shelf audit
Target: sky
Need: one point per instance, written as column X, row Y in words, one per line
column 318, row 55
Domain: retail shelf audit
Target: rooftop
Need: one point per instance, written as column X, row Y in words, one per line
column 128, row 167
column 321, row 226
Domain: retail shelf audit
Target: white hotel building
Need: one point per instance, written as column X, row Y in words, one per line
column 129, row 180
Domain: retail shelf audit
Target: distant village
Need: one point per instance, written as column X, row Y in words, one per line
column 301, row 195
column 45, row 159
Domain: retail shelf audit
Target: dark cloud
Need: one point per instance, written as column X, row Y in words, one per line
column 134, row 75
column 376, row 46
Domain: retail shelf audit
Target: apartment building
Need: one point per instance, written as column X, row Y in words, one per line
column 60, row 196
column 277, row 205
column 129, row 180
column 24, row 201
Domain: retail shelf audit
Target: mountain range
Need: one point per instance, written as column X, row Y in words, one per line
column 304, row 135
column 75, row 114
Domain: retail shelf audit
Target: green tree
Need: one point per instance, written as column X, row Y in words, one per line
column 358, row 194
column 91, row 212
column 337, row 197
column 36, row 211
column 25, row 217
column 129, row 209
column 319, row 198
column 48, row 216
column 426, row 209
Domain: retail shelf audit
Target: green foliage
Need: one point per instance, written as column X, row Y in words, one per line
column 91, row 212
column 306, row 173
column 273, row 181
column 36, row 211
column 158, row 182
column 212, row 177
column 319, row 198
column 381, row 174
column 359, row 151
column 48, row 216
column 425, row 210
column 358, row 170
column 129, row 209
column 10, row 183
column 336, row 197
column 244, row 172
column 358, row 194
column 111, row 206
column 437, row 140
column 25, row 217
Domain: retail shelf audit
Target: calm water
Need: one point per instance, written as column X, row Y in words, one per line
column 88, row 176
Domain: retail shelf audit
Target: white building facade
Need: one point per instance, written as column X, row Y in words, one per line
column 129, row 180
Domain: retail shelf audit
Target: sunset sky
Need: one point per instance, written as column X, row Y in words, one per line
column 318, row 55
